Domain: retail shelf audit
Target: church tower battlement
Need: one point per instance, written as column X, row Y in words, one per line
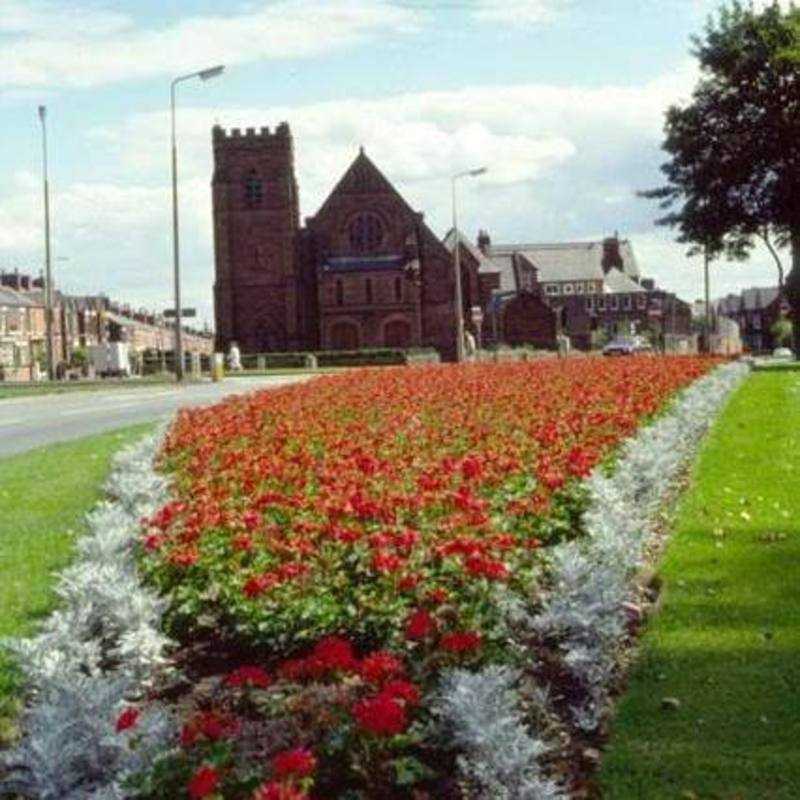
column 256, row 221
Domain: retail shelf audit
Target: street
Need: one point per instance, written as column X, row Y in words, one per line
column 28, row 422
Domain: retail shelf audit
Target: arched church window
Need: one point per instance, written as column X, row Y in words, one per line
column 369, row 290
column 366, row 233
column 253, row 190
column 398, row 289
column 339, row 293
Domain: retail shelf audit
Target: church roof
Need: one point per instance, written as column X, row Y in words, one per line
column 617, row 282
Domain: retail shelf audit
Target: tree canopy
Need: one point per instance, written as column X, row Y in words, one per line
column 733, row 174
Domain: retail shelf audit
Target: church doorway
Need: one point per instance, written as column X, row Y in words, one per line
column 397, row 333
column 344, row 336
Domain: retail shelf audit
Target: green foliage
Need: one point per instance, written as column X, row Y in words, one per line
column 732, row 175
column 726, row 641
column 782, row 332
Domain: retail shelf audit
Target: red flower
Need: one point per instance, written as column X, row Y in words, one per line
column 299, row 763
column 260, row 583
column 386, row 562
column 381, row 715
column 464, row 642
column 249, row 676
column 279, row 791
column 402, row 690
column 251, row 520
column 420, row 624
column 209, row 725
column 378, row 667
column 203, row 783
column 127, row 719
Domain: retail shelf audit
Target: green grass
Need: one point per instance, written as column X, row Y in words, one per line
column 726, row 643
column 44, row 495
column 67, row 387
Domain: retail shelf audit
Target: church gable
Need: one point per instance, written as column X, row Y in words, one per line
column 366, row 215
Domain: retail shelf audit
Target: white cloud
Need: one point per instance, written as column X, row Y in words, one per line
column 564, row 163
column 518, row 12
column 52, row 45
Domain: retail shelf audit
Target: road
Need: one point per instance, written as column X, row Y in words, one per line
column 28, row 422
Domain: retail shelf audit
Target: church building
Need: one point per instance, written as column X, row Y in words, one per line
column 367, row 272
column 364, row 272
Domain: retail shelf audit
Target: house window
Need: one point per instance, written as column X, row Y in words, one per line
column 613, row 303
column 569, row 288
column 369, row 290
column 553, row 288
column 366, row 233
column 601, row 304
column 580, row 288
column 626, row 302
column 253, row 190
column 339, row 293
column 756, row 321
column 590, row 303
column 398, row 289
column 641, row 302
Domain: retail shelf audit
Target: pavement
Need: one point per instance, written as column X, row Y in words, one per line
column 29, row 422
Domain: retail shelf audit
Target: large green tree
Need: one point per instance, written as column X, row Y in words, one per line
column 733, row 174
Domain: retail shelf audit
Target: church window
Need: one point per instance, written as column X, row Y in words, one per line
column 253, row 190
column 398, row 289
column 626, row 302
column 614, row 303
column 366, row 233
column 339, row 293
column 641, row 301
column 369, row 290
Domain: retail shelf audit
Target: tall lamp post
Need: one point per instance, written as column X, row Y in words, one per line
column 48, row 285
column 204, row 75
column 470, row 173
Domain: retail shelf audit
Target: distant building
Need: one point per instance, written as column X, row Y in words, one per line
column 78, row 322
column 755, row 310
column 595, row 288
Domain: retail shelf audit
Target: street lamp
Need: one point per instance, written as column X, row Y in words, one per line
column 204, row 75
column 470, row 173
column 48, row 288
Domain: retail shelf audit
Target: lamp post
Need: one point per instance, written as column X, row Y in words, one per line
column 204, row 75
column 470, row 173
column 48, row 285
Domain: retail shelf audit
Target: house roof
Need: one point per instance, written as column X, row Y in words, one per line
column 569, row 261
column 757, row 298
column 617, row 282
column 10, row 297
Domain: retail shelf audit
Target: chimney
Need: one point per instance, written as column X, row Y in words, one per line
column 648, row 284
column 484, row 242
column 611, row 255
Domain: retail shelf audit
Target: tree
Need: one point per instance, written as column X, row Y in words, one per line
column 733, row 174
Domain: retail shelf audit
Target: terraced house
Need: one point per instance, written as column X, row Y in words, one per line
column 367, row 271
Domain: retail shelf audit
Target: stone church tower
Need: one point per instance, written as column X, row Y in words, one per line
column 256, row 221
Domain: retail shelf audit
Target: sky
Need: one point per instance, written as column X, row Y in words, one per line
column 562, row 100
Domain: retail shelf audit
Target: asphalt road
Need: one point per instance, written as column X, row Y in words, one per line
column 28, row 422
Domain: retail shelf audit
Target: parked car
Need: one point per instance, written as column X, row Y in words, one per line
column 627, row 346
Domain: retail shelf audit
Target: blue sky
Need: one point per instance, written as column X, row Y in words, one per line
column 562, row 100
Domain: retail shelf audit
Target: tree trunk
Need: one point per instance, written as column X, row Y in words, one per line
column 793, row 291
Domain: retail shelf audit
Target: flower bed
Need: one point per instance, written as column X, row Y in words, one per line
column 346, row 550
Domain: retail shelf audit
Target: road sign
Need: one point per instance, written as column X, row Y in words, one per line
column 169, row 313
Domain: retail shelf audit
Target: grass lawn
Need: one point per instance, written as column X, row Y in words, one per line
column 64, row 387
column 726, row 643
column 44, row 495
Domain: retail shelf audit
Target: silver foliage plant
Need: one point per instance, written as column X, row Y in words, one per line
column 97, row 650
column 586, row 607
column 500, row 757
column 592, row 578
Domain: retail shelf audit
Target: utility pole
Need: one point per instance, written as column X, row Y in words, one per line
column 459, row 300
column 204, row 75
column 48, row 285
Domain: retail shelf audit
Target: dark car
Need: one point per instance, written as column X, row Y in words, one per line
column 627, row 346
